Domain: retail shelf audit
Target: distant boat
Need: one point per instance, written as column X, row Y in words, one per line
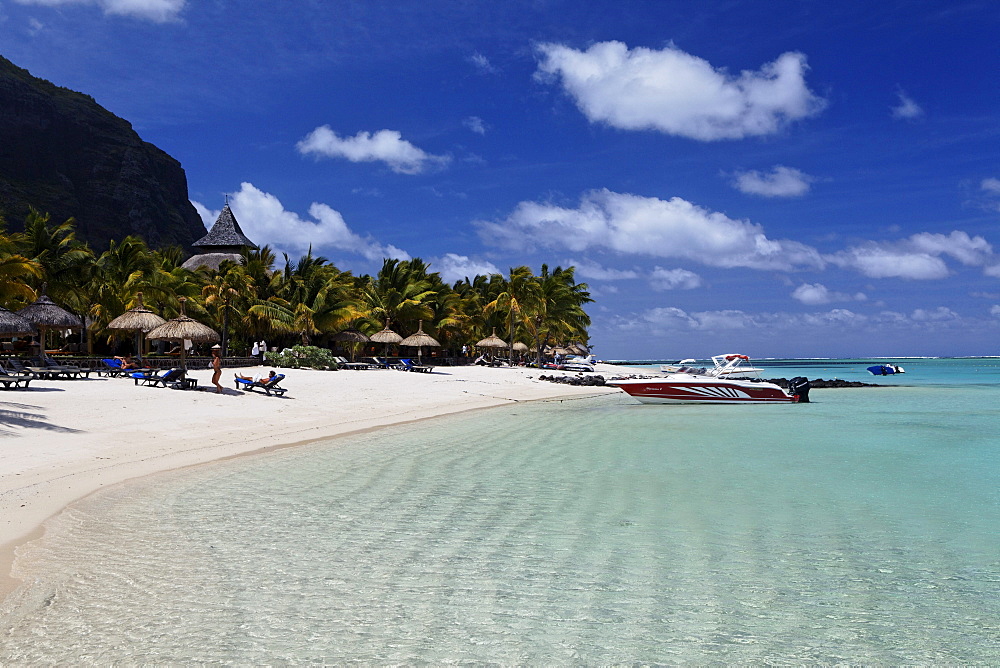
column 886, row 370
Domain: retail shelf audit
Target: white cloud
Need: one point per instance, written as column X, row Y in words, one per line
column 780, row 182
column 813, row 294
column 265, row 221
column 906, row 108
column 453, row 267
column 626, row 223
column 679, row 94
column 482, row 63
column 675, row 319
column 674, row 279
column 941, row 313
column 671, row 319
column 970, row 251
column 915, row 258
column 595, row 272
column 723, row 327
column 879, row 261
column 158, row 11
column 385, row 145
column 991, row 185
column 475, row 124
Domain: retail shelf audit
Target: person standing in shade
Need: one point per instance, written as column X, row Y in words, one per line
column 263, row 349
column 217, row 367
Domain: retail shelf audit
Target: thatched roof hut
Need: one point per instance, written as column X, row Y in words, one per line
column 225, row 241
column 492, row 341
column 138, row 318
column 386, row 336
column 11, row 324
column 45, row 313
column 420, row 339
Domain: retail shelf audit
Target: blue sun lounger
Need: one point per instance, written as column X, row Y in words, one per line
column 408, row 365
column 268, row 386
column 168, row 377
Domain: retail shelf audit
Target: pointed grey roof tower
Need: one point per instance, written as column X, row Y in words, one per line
column 225, row 241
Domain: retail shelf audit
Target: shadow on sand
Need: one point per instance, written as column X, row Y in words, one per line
column 16, row 417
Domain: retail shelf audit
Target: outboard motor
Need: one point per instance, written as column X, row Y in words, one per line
column 800, row 386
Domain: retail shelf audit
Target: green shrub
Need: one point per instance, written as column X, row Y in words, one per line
column 298, row 357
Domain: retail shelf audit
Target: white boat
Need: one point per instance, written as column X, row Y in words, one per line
column 579, row 363
column 681, row 367
column 721, row 385
column 724, row 368
column 721, row 367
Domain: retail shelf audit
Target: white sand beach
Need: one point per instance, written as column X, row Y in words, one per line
column 63, row 440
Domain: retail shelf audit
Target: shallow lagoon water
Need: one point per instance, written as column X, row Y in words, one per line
column 858, row 528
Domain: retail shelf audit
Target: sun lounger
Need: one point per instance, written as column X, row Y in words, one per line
column 356, row 366
column 379, row 362
column 168, row 377
column 17, row 380
column 66, row 370
column 269, row 386
column 114, row 369
column 40, row 372
column 408, row 365
column 111, row 368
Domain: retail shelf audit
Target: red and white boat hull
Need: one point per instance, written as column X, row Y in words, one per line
column 703, row 390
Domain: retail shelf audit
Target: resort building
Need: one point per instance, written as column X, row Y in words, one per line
column 225, row 241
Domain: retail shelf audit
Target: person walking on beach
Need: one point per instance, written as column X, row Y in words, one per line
column 217, row 367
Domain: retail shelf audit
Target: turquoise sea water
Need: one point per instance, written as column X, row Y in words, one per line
column 862, row 527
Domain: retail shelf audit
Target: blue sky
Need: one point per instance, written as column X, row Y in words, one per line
column 771, row 178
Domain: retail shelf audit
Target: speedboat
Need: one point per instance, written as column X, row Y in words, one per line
column 885, row 370
column 721, row 385
column 723, row 368
column 682, row 367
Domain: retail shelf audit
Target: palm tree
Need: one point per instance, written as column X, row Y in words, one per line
column 400, row 294
column 65, row 262
column 521, row 299
column 561, row 317
column 16, row 270
column 225, row 293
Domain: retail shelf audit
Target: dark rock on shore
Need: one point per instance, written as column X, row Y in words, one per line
column 592, row 381
column 65, row 155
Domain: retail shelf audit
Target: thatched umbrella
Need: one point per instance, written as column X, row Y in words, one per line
column 350, row 336
column 137, row 319
column 492, row 341
column 419, row 340
column 46, row 315
column 11, row 324
column 183, row 328
column 387, row 337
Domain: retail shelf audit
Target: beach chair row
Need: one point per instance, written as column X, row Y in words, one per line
column 401, row 365
column 15, row 374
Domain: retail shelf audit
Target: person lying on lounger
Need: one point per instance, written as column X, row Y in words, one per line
column 259, row 377
column 127, row 362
